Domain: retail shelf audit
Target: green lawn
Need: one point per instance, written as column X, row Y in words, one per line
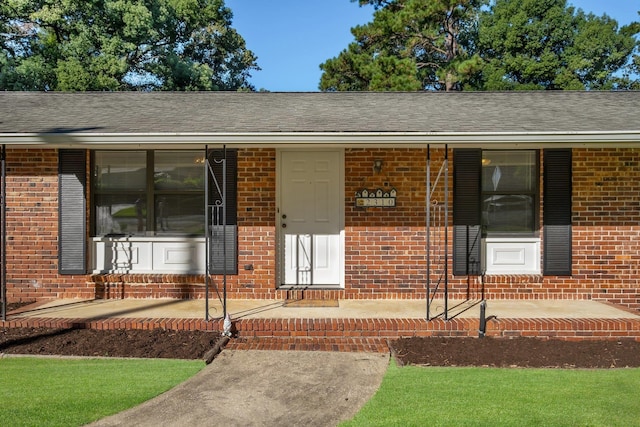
column 419, row 396
column 73, row 392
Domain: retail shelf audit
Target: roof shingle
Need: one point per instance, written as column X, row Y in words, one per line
column 339, row 112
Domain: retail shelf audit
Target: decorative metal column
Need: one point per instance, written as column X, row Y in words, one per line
column 215, row 218
column 206, row 232
column 437, row 221
column 3, row 233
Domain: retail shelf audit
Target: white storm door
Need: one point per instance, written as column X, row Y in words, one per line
column 310, row 218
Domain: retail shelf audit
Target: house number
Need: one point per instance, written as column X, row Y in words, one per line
column 376, row 198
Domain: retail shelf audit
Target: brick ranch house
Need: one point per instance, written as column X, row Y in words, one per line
column 531, row 195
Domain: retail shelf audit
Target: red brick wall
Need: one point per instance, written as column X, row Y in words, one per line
column 256, row 224
column 606, row 235
column 385, row 247
column 606, row 225
column 32, row 229
column 386, row 255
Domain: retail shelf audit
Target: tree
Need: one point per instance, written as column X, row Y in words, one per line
column 410, row 45
column 631, row 74
column 78, row 45
column 544, row 44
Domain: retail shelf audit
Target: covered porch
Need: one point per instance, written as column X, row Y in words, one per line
column 391, row 251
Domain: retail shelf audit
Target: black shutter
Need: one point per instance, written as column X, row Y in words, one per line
column 557, row 212
column 72, row 212
column 224, row 238
column 467, row 230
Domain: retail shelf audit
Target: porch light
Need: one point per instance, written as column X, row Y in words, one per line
column 377, row 166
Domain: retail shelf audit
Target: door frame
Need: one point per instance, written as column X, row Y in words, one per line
column 279, row 253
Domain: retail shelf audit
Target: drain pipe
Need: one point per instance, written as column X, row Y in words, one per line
column 483, row 319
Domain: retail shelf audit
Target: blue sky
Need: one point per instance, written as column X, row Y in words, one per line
column 291, row 38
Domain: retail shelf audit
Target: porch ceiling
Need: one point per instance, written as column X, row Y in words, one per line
column 347, row 119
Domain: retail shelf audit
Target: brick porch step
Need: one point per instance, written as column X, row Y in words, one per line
column 342, row 344
column 306, row 333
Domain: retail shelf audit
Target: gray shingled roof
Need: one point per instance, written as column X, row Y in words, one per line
column 129, row 119
column 265, row 113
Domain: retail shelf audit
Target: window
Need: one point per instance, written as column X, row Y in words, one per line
column 509, row 195
column 496, row 222
column 511, row 229
column 153, row 192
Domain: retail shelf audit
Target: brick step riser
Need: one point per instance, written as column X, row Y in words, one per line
column 574, row 329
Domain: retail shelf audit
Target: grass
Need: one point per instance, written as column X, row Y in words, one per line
column 73, row 392
column 418, row 396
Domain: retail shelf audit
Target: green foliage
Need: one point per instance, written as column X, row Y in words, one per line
column 73, row 392
column 417, row 396
column 410, row 45
column 544, row 44
column 633, row 67
column 79, row 45
column 512, row 45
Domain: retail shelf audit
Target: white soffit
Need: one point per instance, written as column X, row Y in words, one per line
column 346, row 139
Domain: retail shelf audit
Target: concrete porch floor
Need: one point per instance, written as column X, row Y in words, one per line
column 354, row 325
column 346, row 309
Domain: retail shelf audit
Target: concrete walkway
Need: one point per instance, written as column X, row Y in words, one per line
column 346, row 309
column 265, row 388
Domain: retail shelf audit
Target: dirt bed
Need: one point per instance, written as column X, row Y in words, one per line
column 494, row 352
column 517, row 352
column 113, row 343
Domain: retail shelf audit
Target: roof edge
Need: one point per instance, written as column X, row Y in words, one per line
column 343, row 139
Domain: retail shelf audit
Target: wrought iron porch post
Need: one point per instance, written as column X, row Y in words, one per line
column 205, row 164
column 3, row 232
column 428, row 219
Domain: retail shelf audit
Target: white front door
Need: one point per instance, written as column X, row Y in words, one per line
column 310, row 217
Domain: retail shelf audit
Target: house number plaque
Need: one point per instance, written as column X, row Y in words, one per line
column 376, row 198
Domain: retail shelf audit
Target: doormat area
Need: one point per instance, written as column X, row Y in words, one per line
column 311, row 303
